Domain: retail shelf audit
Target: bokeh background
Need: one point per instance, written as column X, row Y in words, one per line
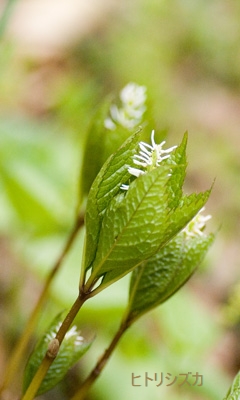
column 58, row 59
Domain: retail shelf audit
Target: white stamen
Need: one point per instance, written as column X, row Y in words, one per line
column 169, row 150
column 144, row 155
column 124, row 187
column 140, row 163
column 152, row 139
column 164, row 157
column 148, row 161
column 146, row 145
column 135, row 172
column 142, row 147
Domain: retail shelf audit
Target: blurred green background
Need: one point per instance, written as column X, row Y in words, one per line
column 57, row 62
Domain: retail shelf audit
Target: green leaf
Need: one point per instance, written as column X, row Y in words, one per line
column 234, row 391
column 158, row 278
column 105, row 187
column 177, row 177
column 101, row 143
column 138, row 224
column 72, row 349
column 94, row 148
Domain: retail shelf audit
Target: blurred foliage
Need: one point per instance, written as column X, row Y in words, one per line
column 187, row 55
column 231, row 311
column 38, row 168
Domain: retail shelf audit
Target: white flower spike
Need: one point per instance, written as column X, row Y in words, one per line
column 149, row 157
column 196, row 226
column 130, row 114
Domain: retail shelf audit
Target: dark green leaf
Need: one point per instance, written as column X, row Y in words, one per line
column 105, row 187
column 72, row 349
column 158, row 278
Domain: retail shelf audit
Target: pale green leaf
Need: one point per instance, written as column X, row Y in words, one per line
column 158, row 278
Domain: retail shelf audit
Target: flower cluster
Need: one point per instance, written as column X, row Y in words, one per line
column 130, row 114
column 196, row 226
column 149, row 157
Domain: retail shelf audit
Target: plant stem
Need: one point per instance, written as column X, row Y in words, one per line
column 81, row 393
column 48, row 360
column 21, row 346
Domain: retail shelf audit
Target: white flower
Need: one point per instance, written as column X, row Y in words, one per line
column 133, row 95
column 196, row 226
column 130, row 114
column 149, row 157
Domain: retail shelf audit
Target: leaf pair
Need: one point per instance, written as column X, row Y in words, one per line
column 125, row 229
